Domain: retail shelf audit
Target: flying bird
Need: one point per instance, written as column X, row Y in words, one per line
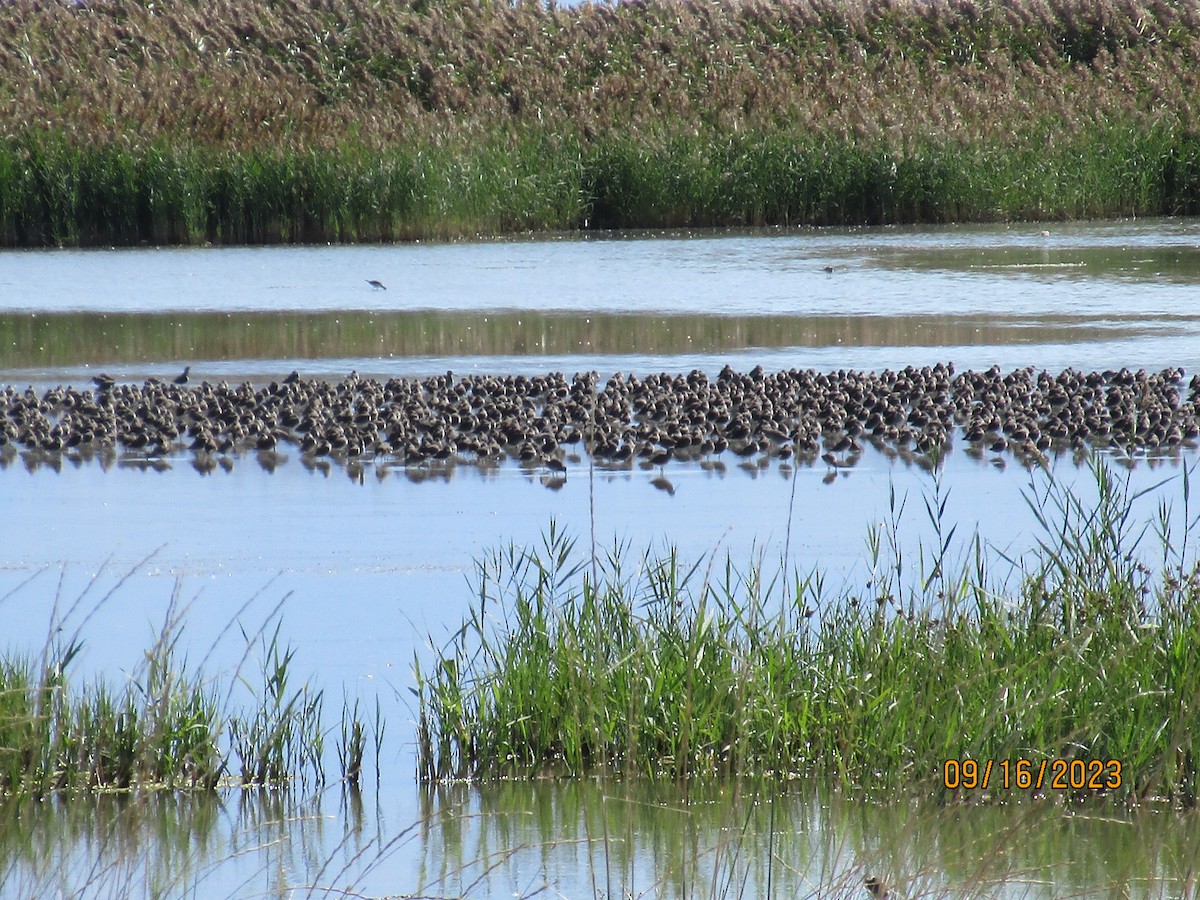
column 378, row 285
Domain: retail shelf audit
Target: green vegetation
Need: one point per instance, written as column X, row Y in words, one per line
column 161, row 734
column 654, row 667
column 359, row 121
column 164, row 729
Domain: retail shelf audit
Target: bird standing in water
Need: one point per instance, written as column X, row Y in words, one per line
column 182, row 378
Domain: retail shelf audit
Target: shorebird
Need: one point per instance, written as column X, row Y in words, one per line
column 847, row 443
column 378, row 285
column 663, row 484
column 834, row 463
column 182, row 377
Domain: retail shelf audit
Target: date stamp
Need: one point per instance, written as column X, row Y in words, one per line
column 1037, row 775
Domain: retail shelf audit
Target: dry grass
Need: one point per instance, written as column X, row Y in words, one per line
column 402, row 115
column 313, row 74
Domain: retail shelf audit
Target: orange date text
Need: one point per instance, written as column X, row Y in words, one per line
column 1036, row 775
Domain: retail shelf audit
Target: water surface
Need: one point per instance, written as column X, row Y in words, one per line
column 369, row 564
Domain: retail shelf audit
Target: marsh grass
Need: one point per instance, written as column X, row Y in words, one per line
column 55, row 193
column 155, row 734
column 167, row 727
column 671, row 669
column 353, row 121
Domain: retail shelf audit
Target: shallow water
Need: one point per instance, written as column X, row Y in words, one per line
column 367, row 564
column 577, row 839
column 1086, row 294
column 762, row 272
column 387, row 557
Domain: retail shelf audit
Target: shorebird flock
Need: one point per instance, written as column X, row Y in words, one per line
column 793, row 416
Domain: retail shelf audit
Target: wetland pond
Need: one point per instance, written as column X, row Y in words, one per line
column 366, row 566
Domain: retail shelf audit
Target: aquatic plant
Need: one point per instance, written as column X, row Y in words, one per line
column 351, row 121
column 167, row 728
column 157, row 734
column 669, row 669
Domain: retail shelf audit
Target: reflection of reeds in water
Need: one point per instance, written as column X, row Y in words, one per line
column 671, row 669
column 591, row 837
column 164, row 844
column 45, row 340
column 759, row 838
column 598, row 838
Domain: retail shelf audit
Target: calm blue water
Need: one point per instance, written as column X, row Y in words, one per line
column 362, row 572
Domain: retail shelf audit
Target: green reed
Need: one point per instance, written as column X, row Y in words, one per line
column 160, row 733
column 56, row 193
column 165, row 728
column 356, row 122
column 674, row 670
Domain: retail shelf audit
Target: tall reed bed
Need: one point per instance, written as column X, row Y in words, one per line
column 668, row 669
column 54, row 193
column 265, row 73
column 797, row 177
column 353, row 121
column 166, row 728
